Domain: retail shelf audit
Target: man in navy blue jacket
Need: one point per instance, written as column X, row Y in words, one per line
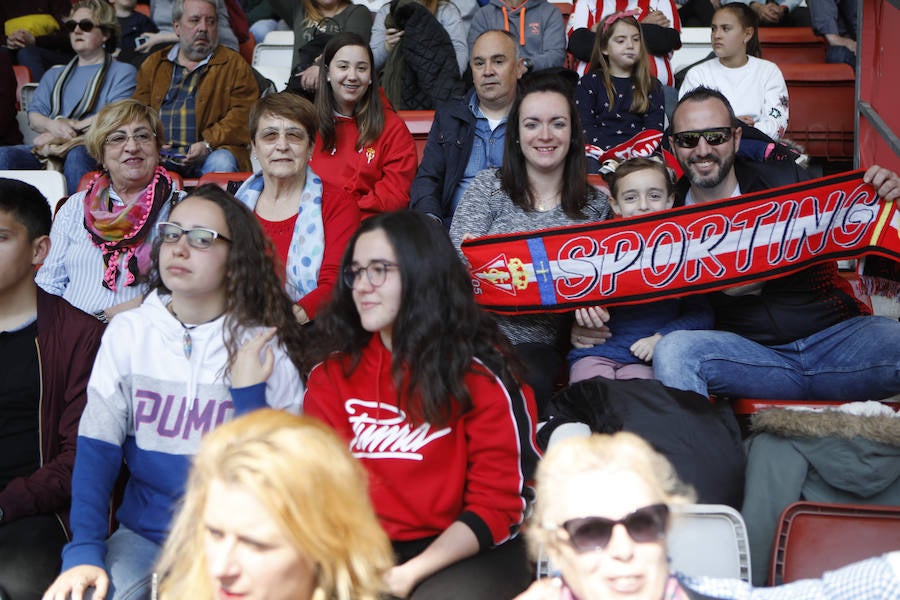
column 468, row 133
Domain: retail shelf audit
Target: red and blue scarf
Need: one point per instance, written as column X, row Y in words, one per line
column 689, row 250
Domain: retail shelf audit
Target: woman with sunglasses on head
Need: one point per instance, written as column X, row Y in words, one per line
column 363, row 146
column 102, row 236
column 417, row 379
column 602, row 512
column 168, row 372
column 68, row 96
column 755, row 87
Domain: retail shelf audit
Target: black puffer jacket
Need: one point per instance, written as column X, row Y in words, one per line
column 701, row 439
column 422, row 70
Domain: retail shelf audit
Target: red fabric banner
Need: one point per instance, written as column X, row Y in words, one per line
column 683, row 251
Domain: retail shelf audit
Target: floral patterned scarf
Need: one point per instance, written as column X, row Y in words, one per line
column 122, row 231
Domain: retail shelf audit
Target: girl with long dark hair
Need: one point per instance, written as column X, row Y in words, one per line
column 541, row 185
column 754, row 86
column 363, row 146
column 417, row 379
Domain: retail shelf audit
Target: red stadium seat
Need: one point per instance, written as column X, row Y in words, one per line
column 744, row 407
column 813, row 538
column 23, row 76
column 566, row 9
column 223, row 180
column 83, row 184
column 246, row 49
column 419, row 124
column 822, row 108
column 786, row 45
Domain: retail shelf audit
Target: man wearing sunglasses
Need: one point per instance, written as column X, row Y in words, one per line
column 798, row 337
column 203, row 92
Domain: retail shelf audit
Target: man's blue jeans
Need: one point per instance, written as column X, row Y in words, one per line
column 856, row 359
column 218, row 161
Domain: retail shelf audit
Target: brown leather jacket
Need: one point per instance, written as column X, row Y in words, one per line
column 225, row 94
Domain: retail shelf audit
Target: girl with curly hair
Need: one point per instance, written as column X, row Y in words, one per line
column 168, row 372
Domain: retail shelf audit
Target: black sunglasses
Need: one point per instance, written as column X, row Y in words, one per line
column 86, row 25
column 713, row 137
column 647, row 524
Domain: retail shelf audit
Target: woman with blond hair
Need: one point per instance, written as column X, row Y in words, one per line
column 586, row 488
column 602, row 514
column 275, row 508
column 102, row 236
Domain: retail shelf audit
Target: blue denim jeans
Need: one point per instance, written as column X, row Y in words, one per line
column 856, row 359
column 129, row 563
column 78, row 162
column 218, row 161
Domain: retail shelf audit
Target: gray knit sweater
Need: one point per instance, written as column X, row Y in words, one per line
column 486, row 209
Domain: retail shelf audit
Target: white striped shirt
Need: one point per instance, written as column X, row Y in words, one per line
column 74, row 267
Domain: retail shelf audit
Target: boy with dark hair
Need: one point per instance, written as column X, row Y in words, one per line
column 47, row 349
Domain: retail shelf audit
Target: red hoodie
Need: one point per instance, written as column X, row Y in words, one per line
column 380, row 174
column 423, row 478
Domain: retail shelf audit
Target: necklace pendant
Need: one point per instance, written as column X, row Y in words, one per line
column 187, row 344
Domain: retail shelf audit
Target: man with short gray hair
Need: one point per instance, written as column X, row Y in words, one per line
column 468, row 133
column 203, row 93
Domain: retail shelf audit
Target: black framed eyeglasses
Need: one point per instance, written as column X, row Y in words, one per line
column 714, row 137
column 200, row 238
column 86, row 25
column 376, row 272
column 647, row 524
